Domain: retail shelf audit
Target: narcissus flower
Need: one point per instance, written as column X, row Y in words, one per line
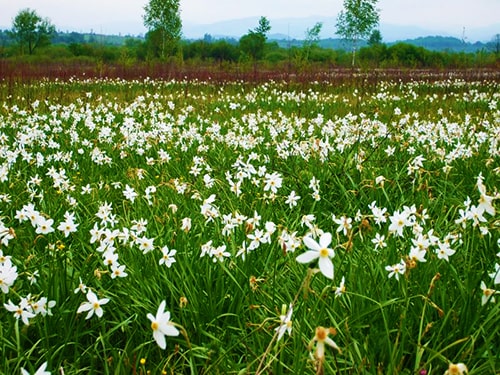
column 161, row 325
column 93, row 305
column 23, row 310
column 456, row 369
column 168, row 256
column 488, row 294
column 396, row 269
column 41, row 370
column 321, row 338
column 319, row 251
column 286, row 323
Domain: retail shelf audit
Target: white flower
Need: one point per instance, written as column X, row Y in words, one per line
column 444, row 251
column 488, row 294
column 44, row 226
column 118, row 270
column 456, row 369
column 379, row 241
column 399, row 220
column 8, row 274
column 93, row 305
column 161, row 326
column 341, row 288
column 168, row 256
column 496, row 275
column 145, row 244
column 292, row 199
column 186, row 224
column 272, row 182
column 68, row 226
column 344, row 224
column 23, row 310
column 219, row 253
column 81, row 287
column 286, row 323
column 40, row 371
column 130, row 193
column 319, row 251
column 396, row 269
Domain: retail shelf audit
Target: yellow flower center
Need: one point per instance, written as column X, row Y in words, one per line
column 488, row 292
column 323, row 252
column 154, row 326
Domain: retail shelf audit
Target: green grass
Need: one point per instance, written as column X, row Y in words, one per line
column 111, row 134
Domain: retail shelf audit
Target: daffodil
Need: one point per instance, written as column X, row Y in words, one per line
column 321, row 251
column 396, row 269
column 456, row 369
column 321, row 338
column 488, row 294
column 23, row 310
column 161, row 325
column 93, row 305
column 286, row 323
column 168, row 256
column 41, row 370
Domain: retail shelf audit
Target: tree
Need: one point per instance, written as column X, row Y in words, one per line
column 162, row 17
column 312, row 39
column 494, row 44
column 264, row 27
column 356, row 21
column 375, row 38
column 29, row 29
column 254, row 42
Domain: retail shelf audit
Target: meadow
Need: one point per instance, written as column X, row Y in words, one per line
column 187, row 226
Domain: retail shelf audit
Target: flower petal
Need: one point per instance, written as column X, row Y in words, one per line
column 325, row 240
column 169, row 330
column 332, row 343
column 310, row 243
column 160, row 339
column 307, row 257
column 161, row 309
column 326, row 267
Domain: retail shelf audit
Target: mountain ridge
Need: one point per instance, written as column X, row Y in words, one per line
column 295, row 28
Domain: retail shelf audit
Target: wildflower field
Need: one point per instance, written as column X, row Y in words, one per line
column 170, row 227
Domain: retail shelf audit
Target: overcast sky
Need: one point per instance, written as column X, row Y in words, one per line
column 125, row 16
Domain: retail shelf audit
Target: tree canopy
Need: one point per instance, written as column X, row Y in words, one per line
column 31, row 31
column 357, row 20
column 162, row 17
column 253, row 43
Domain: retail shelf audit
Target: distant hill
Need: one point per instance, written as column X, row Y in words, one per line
column 295, row 28
column 441, row 43
column 433, row 43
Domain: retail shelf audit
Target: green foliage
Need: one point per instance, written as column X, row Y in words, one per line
column 357, row 20
column 264, row 27
column 253, row 43
column 375, row 38
column 162, row 18
column 31, row 31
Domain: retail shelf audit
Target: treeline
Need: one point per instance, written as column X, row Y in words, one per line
column 92, row 48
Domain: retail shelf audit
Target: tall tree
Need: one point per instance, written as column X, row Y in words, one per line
column 163, row 17
column 31, row 31
column 254, row 42
column 312, row 39
column 356, row 21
